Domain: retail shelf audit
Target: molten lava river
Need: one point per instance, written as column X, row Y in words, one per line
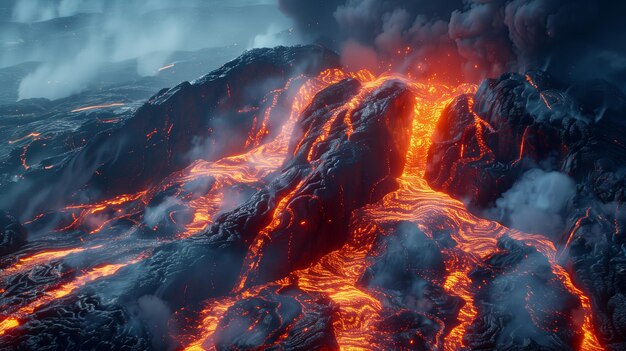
column 358, row 313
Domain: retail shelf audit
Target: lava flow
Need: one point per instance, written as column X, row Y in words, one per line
column 96, row 107
column 359, row 312
column 336, row 274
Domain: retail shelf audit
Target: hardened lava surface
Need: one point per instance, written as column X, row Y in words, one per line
column 282, row 203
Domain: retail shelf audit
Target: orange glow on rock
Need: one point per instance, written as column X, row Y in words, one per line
column 336, row 274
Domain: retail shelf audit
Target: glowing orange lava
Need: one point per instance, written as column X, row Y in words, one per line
column 41, row 257
column 166, row 67
column 30, row 135
column 336, row 274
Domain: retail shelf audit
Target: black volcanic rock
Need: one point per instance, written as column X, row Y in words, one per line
column 209, row 118
column 278, row 319
column 12, row 234
column 325, row 178
column 65, row 328
column 484, row 144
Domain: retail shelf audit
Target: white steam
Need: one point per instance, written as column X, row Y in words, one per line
column 271, row 38
column 536, row 203
column 77, row 51
column 155, row 215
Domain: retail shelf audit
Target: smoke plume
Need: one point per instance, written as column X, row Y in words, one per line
column 76, row 43
column 473, row 39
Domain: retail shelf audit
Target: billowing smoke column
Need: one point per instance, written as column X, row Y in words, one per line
column 473, row 39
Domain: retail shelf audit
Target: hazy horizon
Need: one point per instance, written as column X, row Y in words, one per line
column 62, row 47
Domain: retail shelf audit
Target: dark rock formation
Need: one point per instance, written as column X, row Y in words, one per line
column 484, row 144
column 65, row 327
column 313, row 220
column 521, row 304
column 325, row 179
column 408, row 277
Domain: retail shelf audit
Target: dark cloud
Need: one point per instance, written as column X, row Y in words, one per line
column 473, row 39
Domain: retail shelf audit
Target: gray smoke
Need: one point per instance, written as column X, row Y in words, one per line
column 472, row 39
column 537, row 202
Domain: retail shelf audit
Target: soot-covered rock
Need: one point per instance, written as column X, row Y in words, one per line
column 407, row 277
column 209, row 118
column 521, row 304
column 596, row 254
column 12, row 234
column 278, row 319
column 483, row 144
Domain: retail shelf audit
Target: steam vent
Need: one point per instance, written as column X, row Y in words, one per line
column 293, row 199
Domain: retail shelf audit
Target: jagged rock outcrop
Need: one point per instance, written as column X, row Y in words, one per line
column 408, row 277
column 283, row 318
column 485, row 143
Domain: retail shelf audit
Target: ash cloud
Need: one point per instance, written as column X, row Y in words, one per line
column 473, row 39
